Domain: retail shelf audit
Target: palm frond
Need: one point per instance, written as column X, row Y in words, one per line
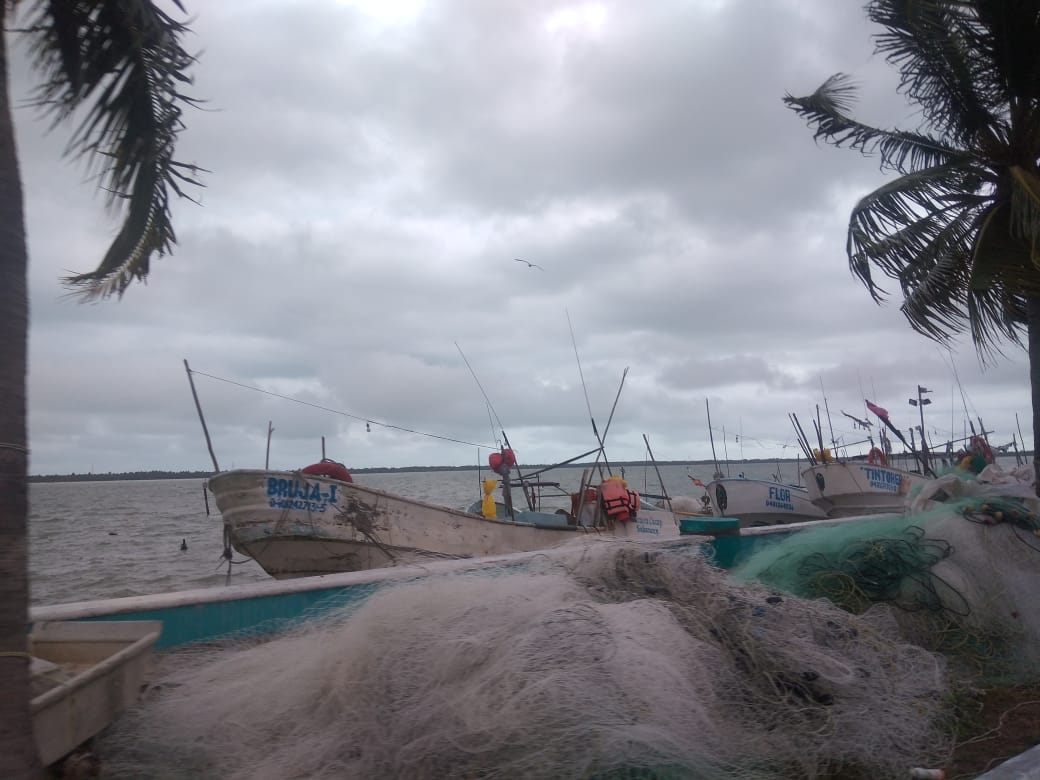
column 911, row 220
column 935, row 46
column 933, row 305
column 995, row 316
column 122, row 59
column 826, row 110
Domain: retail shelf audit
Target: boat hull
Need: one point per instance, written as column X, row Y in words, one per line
column 109, row 660
column 844, row 489
column 297, row 525
column 758, row 502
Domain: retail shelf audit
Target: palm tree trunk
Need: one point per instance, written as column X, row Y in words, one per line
column 18, row 757
column 1033, row 324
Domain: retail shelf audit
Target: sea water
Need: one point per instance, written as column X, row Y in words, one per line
column 97, row 540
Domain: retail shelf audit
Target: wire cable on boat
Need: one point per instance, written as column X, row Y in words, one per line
column 368, row 420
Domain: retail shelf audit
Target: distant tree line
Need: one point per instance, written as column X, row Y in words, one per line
column 124, row 476
column 114, row 476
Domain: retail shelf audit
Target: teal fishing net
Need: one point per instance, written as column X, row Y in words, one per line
column 959, row 574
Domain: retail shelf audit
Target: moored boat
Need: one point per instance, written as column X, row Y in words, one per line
column 84, row 673
column 849, row 488
column 297, row 524
column 761, row 501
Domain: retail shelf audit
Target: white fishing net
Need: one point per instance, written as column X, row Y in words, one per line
column 611, row 662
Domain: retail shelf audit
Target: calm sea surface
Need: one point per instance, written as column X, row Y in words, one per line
column 94, row 540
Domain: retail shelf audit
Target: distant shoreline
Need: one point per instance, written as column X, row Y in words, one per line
column 146, row 475
column 154, row 475
column 149, row 475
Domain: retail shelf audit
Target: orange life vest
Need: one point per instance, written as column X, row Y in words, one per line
column 619, row 502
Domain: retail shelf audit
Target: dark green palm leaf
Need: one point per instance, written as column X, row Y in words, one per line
column 124, row 60
column 826, row 110
column 933, row 43
column 910, row 220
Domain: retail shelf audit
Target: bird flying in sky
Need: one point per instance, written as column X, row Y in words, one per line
column 529, row 264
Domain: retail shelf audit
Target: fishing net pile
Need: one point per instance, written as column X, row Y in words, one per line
column 607, row 662
column 958, row 573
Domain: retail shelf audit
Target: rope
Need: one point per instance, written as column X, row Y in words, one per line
column 367, row 420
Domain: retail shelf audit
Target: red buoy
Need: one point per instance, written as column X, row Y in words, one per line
column 330, row 469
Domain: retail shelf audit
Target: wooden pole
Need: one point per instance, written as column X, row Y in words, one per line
column 267, row 455
column 198, row 408
column 661, row 481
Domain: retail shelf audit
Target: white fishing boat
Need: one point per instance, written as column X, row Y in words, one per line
column 871, row 484
column 761, row 501
column 298, row 524
column 83, row 675
column 845, row 488
column 755, row 502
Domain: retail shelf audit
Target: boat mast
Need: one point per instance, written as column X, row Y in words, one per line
column 198, row 408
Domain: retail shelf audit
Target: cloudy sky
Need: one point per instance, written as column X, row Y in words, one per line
column 377, row 167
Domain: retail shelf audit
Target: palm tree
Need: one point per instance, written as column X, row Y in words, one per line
column 122, row 63
column 959, row 227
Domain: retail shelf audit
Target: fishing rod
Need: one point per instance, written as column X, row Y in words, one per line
column 585, row 390
column 827, row 408
column 964, row 400
column 487, row 401
column 506, row 479
column 650, row 452
column 803, row 440
column 819, row 432
column 606, row 430
column 711, row 438
column 601, row 452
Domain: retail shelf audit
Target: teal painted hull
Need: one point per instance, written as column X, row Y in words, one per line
column 269, row 607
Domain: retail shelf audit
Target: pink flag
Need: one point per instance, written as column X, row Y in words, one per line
column 882, row 413
column 696, row 481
